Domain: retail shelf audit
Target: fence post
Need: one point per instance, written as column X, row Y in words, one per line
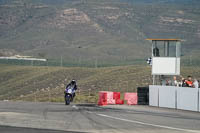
column 89, row 92
column 35, row 97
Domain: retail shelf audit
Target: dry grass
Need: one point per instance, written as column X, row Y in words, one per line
column 48, row 83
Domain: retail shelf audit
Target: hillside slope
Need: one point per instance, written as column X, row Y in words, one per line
column 20, row 82
column 104, row 30
column 48, row 83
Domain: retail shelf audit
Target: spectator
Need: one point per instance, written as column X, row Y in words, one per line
column 196, row 83
column 163, row 80
column 169, row 82
column 183, row 82
column 174, row 82
column 156, row 52
column 189, row 82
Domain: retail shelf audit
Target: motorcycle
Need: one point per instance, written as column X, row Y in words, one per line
column 69, row 95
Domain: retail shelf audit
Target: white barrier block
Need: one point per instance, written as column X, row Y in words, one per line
column 153, row 95
column 199, row 99
column 167, row 96
column 187, row 98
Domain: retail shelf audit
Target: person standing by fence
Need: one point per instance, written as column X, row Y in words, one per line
column 189, row 82
column 196, row 83
column 174, row 82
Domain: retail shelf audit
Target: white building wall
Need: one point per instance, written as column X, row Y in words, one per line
column 165, row 66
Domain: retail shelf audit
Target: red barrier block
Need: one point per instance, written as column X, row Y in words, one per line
column 102, row 98
column 119, row 101
column 107, row 97
column 132, row 98
column 102, row 103
column 116, row 95
column 110, row 99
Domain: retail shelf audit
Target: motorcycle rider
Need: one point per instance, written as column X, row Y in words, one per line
column 73, row 85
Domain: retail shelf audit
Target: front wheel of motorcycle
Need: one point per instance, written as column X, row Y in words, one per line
column 67, row 99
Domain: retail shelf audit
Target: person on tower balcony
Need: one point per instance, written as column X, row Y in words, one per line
column 156, row 52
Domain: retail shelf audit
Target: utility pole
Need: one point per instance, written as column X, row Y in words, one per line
column 190, row 60
column 96, row 63
column 79, row 60
column 61, row 61
column 35, row 91
column 31, row 62
column 154, row 79
column 49, row 95
column 89, row 92
column 127, row 87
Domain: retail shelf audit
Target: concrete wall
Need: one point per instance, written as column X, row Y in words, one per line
column 187, row 98
column 167, row 97
column 153, row 95
column 174, row 97
column 199, row 99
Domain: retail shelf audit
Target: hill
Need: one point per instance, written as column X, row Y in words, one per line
column 25, row 82
column 48, row 83
column 110, row 31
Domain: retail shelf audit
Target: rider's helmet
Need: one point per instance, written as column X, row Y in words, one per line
column 73, row 82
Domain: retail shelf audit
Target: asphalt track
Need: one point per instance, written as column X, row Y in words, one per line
column 28, row 117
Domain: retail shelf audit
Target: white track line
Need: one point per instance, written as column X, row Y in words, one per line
column 149, row 124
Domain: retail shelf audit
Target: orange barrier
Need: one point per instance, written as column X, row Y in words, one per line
column 132, row 98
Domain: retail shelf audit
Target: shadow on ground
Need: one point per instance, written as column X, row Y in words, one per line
column 87, row 105
column 9, row 129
